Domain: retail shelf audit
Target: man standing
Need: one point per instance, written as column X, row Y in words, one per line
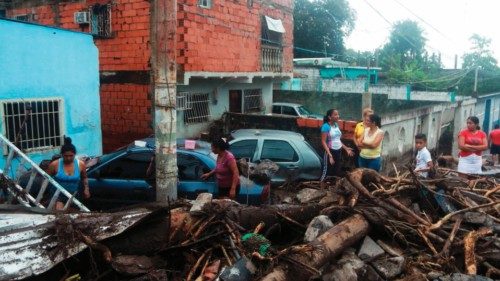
column 494, row 142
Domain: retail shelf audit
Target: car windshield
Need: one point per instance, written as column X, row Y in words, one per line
column 104, row 158
column 303, row 111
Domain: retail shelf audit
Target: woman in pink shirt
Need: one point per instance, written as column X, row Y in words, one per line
column 471, row 142
column 226, row 171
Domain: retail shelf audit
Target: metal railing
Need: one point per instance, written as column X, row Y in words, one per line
column 272, row 58
column 22, row 193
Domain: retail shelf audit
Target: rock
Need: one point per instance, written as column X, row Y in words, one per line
column 287, row 200
column 434, row 274
column 329, row 198
column 200, row 202
column 369, row 249
column 316, row 227
column 389, row 268
column 307, row 195
column 367, row 273
column 463, row 277
column 345, row 269
column 475, row 217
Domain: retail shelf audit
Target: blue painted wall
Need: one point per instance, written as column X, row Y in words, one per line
column 350, row 73
column 295, row 84
column 43, row 62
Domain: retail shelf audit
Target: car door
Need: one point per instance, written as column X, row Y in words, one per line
column 276, row 109
column 122, row 181
column 289, row 110
column 285, row 155
column 246, row 148
column 190, row 168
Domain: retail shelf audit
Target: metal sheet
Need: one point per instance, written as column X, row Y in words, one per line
column 28, row 243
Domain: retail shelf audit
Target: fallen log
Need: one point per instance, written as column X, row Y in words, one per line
column 327, row 246
column 470, row 248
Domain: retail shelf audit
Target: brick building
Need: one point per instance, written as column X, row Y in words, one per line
column 229, row 54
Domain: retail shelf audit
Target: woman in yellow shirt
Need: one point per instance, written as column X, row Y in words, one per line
column 371, row 144
column 359, row 130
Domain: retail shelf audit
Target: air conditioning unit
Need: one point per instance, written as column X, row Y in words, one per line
column 82, row 17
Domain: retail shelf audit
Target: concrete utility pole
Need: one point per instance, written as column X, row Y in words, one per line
column 474, row 94
column 163, row 37
column 366, row 99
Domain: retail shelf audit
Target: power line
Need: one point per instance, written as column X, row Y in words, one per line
column 422, row 20
column 402, row 35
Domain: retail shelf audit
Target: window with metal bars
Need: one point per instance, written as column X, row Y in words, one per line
column 205, row 3
column 100, row 20
column 252, row 100
column 197, row 108
column 33, row 124
column 26, row 17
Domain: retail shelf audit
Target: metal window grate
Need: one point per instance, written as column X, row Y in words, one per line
column 33, row 124
column 198, row 110
column 100, row 20
column 205, row 3
column 252, row 100
column 26, row 17
column 182, row 101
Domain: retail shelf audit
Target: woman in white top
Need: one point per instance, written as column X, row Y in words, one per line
column 332, row 145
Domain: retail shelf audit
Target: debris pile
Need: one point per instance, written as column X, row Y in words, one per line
column 361, row 227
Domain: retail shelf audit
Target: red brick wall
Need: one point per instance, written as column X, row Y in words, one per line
column 227, row 36
column 126, row 113
column 125, row 107
column 224, row 38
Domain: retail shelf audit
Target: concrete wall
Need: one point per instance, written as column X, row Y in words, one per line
column 400, row 129
column 494, row 114
column 219, row 101
column 43, row 62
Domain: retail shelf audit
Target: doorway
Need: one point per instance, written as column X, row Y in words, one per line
column 235, row 101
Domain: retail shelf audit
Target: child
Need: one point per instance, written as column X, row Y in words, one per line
column 423, row 159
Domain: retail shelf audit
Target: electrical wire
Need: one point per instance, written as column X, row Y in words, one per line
column 422, row 20
column 402, row 35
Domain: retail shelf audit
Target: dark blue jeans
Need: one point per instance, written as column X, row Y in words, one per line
column 373, row 164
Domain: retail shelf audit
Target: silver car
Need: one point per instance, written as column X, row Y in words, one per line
column 293, row 154
column 293, row 109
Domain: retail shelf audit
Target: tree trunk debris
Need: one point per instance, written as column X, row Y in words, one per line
column 432, row 229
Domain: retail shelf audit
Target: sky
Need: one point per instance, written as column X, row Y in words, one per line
column 447, row 24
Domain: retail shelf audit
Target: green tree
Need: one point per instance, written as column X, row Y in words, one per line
column 320, row 27
column 406, row 45
column 480, row 57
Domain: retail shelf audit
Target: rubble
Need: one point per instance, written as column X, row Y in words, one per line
column 371, row 227
column 316, row 227
column 370, row 250
column 307, row 195
column 389, row 268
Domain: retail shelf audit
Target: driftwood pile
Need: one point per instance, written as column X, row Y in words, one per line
column 361, row 227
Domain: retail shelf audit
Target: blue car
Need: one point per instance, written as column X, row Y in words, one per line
column 120, row 178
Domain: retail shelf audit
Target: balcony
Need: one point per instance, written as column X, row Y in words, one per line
column 272, row 58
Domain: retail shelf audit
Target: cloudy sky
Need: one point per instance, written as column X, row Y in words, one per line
column 448, row 24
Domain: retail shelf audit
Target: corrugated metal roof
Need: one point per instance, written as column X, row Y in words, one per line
column 31, row 244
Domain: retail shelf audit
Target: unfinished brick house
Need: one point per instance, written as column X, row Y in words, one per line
column 229, row 54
